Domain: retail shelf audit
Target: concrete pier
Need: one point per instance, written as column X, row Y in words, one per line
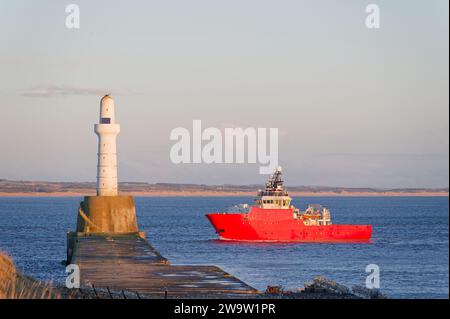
column 129, row 262
column 111, row 253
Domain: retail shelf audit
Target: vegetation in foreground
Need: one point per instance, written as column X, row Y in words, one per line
column 14, row 285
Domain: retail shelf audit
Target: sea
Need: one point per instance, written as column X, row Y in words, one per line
column 409, row 245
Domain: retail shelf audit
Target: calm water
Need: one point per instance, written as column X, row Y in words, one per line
column 410, row 241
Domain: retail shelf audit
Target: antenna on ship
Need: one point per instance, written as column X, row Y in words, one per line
column 274, row 184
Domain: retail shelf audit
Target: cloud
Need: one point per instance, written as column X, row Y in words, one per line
column 56, row 91
column 386, row 155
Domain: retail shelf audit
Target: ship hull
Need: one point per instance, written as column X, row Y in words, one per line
column 282, row 227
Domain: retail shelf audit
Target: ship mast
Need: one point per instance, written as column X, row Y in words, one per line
column 274, row 186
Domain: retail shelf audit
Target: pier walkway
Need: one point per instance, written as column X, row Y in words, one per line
column 129, row 262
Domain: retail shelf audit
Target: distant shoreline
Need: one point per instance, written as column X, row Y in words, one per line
column 225, row 194
column 10, row 188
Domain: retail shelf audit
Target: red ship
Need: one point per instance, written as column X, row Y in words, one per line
column 273, row 219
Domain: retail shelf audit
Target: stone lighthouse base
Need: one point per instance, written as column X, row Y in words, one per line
column 104, row 216
column 107, row 214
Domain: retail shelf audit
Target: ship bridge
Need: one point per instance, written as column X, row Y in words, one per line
column 274, row 196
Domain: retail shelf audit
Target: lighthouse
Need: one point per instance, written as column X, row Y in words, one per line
column 107, row 213
column 107, row 130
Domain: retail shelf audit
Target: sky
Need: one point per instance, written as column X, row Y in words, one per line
column 355, row 107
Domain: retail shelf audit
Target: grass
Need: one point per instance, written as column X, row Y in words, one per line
column 15, row 285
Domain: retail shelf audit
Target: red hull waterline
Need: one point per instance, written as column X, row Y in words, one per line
column 279, row 226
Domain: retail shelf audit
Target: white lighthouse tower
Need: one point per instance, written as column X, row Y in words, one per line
column 107, row 131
